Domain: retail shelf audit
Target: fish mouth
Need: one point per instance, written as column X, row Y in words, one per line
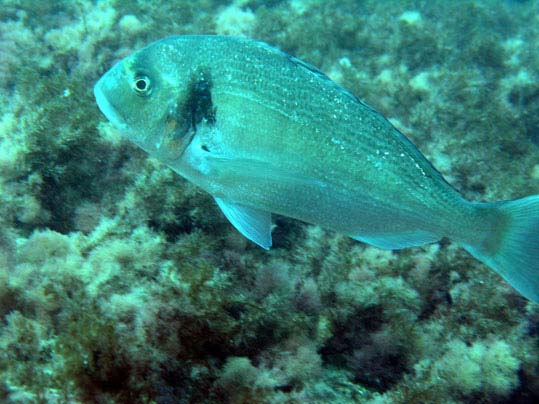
column 106, row 107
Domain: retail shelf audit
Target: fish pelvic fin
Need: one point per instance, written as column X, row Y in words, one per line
column 254, row 224
column 512, row 246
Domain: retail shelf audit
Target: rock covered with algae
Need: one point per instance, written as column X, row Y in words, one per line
column 120, row 282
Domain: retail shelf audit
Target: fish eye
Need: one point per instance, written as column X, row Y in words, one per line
column 142, row 85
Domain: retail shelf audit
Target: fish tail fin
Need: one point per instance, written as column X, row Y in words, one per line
column 511, row 243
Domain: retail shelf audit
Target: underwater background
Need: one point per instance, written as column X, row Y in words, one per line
column 120, row 282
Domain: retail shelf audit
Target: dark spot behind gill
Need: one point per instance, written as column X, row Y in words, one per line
column 195, row 108
column 200, row 101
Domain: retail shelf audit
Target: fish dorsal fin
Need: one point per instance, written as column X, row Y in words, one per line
column 254, row 224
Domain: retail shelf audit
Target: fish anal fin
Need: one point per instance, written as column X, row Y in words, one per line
column 399, row 240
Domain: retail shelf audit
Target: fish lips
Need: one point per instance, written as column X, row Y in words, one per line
column 102, row 90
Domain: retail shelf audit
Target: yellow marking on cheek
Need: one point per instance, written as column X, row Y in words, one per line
column 170, row 125
column 171, row 140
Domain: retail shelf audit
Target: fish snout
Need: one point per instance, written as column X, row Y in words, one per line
column 104, row 91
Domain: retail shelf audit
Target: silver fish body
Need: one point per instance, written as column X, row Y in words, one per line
column 264, row 132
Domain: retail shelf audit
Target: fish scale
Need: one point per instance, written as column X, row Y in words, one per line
column 360, row 146
column 364, row 142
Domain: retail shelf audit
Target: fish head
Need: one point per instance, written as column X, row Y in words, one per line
column 142, row 97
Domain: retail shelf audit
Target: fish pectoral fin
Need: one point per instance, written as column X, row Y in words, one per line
column 400, row 240
column 256, row 170
column 254, row 224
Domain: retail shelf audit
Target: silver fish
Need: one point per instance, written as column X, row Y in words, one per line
column 264, row 132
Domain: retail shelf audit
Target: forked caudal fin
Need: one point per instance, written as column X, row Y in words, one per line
column 512, row 249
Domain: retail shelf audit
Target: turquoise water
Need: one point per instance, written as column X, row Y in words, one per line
column 122, row 283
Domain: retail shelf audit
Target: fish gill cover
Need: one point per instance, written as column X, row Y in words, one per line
column 122, row 283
